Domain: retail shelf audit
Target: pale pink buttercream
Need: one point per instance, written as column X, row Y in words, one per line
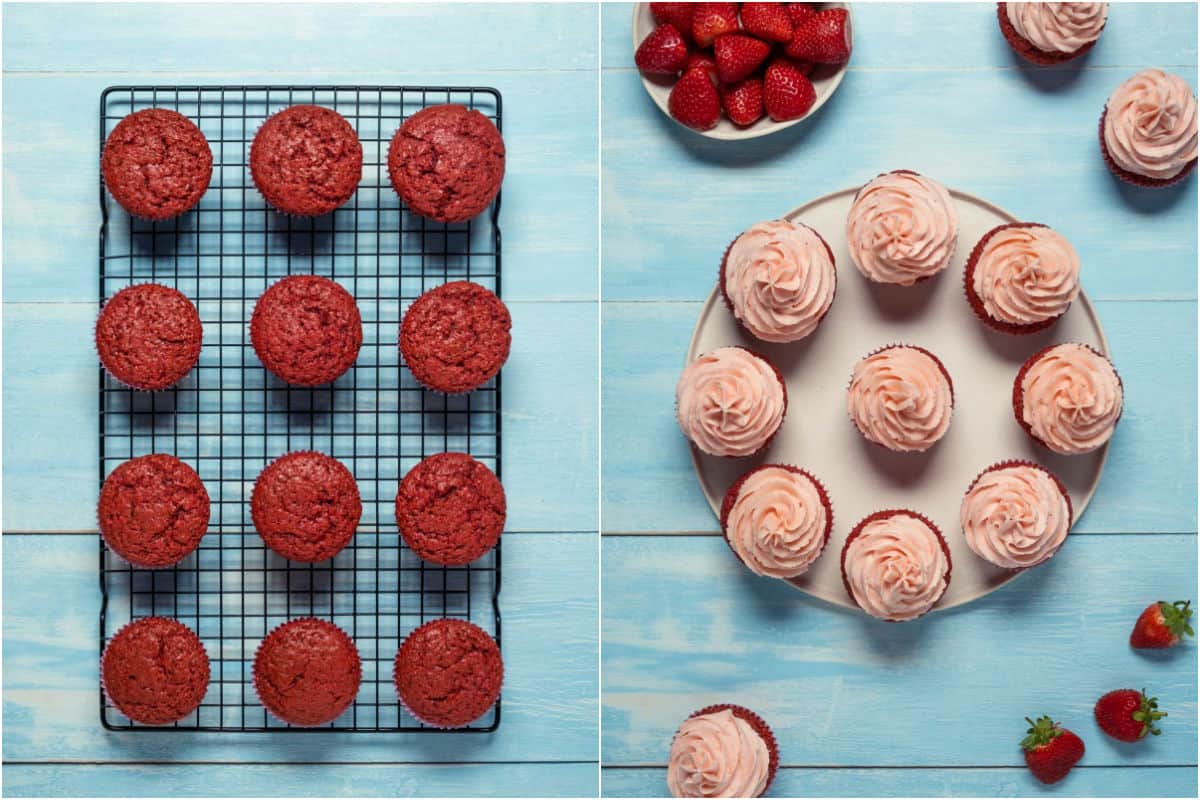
column 780, row 280
column 896, row 568
column 718, row 755
column 901, row 228
column 900, row 399
column 777, row 523
column 1058, row 27
column 1150, row 125
column 1026, row 275
column 729, row 402
column 1071, row 399
column 1015, row 516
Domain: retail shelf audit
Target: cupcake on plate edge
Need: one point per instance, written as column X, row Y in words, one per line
column 902, row 228
column 777, row 520
column 1069, row 398
column 1016, row 514
column 730, row 402
column 1021, row 277
column 896, row 565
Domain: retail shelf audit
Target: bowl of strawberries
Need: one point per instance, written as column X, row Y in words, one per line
column 741, row 70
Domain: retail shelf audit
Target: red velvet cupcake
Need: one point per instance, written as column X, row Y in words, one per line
column 306, row 506
column 155, row 671
column 1016, row 514
column 896, row 565
column 306, row 160
column 307, row 672
column 1148, row 130
column 722, row 751
column 450, row 509
column 448, row 673
column 707, row 387
column 777, row 520
column 306, row 330
column 1051, row 33
column 156, row 164
column 1021, row 277
column 456, row 337
column 1069, row 398
column 882, row 379
column 153, row 511
column 148, row 336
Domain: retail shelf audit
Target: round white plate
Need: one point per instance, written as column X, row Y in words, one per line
column 862, row 477
column 825, row 80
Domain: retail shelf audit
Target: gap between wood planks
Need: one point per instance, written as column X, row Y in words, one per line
column 1022, row 767
column 1073, row 533
column 163, row 763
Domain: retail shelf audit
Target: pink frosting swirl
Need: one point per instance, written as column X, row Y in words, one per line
column 1058, row 27
column 718, row 755
column 729, row 402
column 902, row 227
column 780, row 280
column 1026, row 275
column 900, row 398
column 777, row 524
column 1150, row 125
column 896, row 568
column 1071, row 399
column 1015, row 516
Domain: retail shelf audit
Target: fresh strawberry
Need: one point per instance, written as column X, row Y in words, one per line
column 800, row 13
column 694, row 101
column 806, row 67
column 677, row 14
column 1162, row 624
column 1050, row 750
column 743, row 101
column 1128, row 715
column 704, row 61
column 824, row 38
column 738, row 55
column 713, row 19
column 787, row 93
column 663, row 52
column 768, row 21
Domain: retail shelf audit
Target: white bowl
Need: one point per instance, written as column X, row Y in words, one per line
column 825, row 80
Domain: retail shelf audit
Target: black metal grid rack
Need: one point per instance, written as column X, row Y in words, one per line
column 229, row 417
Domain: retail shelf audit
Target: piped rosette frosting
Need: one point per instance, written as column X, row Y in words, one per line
column 1149, row 126
column 1058, row 27
column 901, row 397
column 895, row 565
column 1016, row 515
column 722, row 751
column 730, row 402
column 777, row 520
column 902, row 228
column 779, row 280
column 1069, row 398
column 1021, row 277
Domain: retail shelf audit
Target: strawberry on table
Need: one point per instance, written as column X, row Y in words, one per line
column 743, row 101
column 663, row 52
column 1128, row 715
column 677, row 14
column 787, row 92
column 738, row 55
column 1050, row 750
column 704, row 61
column 1162, row 624
column 694, row 101
column 713, row 19
column 800, row 12
column 823, row 38
column 769, row 21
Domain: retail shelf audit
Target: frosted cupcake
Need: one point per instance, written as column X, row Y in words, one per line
column 1016, row 514
column 730, row 402
column 1021, row 277
column 1148, row 129
column 1051, row 33
column 777, row 520
column 1069, row 398
column 901, row 397
column 722, row 751
column 778, row 279
column 895, row 565
column 902, row 228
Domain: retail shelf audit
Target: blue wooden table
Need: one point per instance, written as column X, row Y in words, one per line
column 933, row 707
column 57, row 59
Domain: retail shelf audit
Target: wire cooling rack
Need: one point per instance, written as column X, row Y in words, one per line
column 229, row 417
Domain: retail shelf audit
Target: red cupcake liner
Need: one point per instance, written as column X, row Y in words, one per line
column 414, row 714
column 1018, row 462
column 758, row 725
column 254, row 672
column 1027, row 51
column 921, row 279
column 976, row 302
column 137, row 564
column 96, row 344
column 941, row 368
column 1133, row 178
column 888, row 514
column 1018, row 394
column 122, row 629
column 732, row 494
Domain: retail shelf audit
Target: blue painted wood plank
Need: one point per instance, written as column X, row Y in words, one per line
column 1148, row 484
column 293, row 780
column 685, row 625
column 934, row 782
column 548, row 600
column 50, row 427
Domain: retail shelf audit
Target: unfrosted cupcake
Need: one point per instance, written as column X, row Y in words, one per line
column 148, row 336
column 901, row 397
column 730, row 402
column 1069, row 398
column 1016, row 514
column 155, row 671
column 722, row 751
column 902, row 228
column 448, row 673
column 895, row 565
column 1051, row 33
column 307, row 672
column 1021, row 277
column 1148, row 129
column 153, row 511
column 777, row 520
column 779, row 280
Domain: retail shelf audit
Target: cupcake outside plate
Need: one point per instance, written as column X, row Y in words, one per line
column 456, row 337
column 450, row 509
column 156, row 164
column 155, row 671
column 306, row 329
column 153, row 511
column 1051, row 33
column 448, row 673
column 307, row 672
column 306, row 160
column 306, row 506
column 1148, row 133
column 148, row 336
column 722, row 751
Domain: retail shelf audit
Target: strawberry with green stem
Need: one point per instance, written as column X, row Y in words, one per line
column 1128, row 715
column 1050, row 749
column 1162, row 625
